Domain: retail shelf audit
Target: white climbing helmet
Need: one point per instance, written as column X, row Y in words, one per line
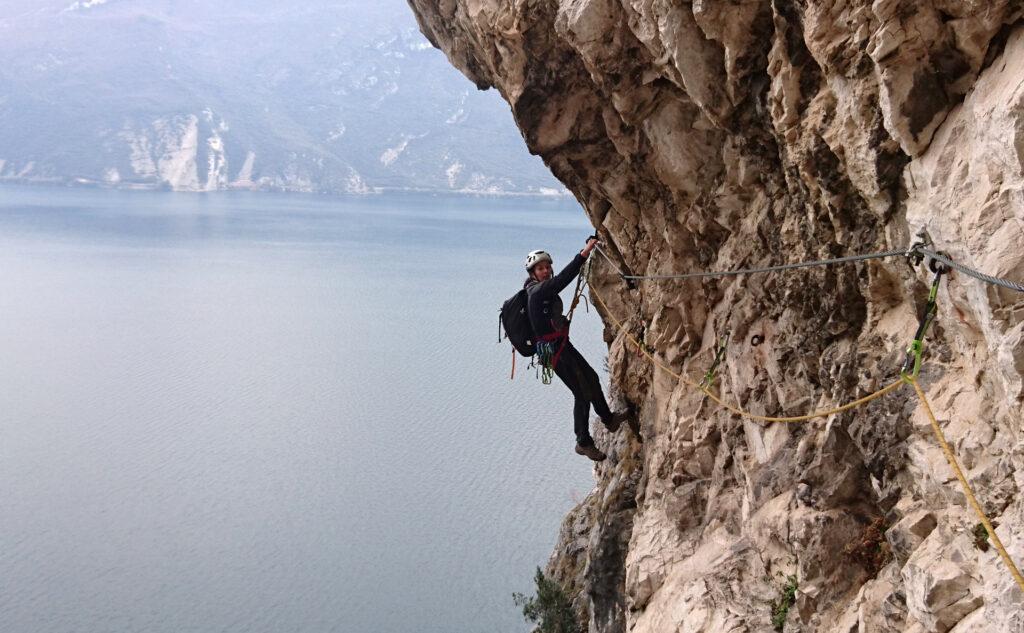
column 535, row 257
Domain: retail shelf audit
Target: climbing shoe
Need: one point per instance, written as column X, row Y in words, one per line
column 590, row 451
column 617, row 419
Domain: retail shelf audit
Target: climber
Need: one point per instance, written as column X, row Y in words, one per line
column 551, row 331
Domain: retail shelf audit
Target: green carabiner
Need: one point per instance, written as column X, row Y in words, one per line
column 709, row 375
column 912, row 362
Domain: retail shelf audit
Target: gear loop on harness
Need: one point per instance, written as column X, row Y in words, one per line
column 549, row 349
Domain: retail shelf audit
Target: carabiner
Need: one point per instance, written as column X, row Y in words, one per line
column 709, row 375
column 912, row 361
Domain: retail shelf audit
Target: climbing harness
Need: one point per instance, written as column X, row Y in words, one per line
column 709, row 375
column 912, row 362
column 549, row 349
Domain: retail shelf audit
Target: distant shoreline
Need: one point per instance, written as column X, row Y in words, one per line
column 82, row 183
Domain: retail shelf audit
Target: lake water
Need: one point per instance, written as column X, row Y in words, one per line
column 255, row 412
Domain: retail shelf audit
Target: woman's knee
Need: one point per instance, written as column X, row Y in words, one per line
column 590, row 378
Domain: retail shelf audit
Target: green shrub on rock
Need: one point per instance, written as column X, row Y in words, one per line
column 550, row 609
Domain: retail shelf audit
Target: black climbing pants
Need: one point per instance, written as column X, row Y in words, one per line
column 583, row 382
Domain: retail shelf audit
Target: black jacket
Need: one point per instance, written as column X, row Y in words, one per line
column 544, row 306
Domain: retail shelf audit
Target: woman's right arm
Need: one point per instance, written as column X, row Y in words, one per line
column 558, row 283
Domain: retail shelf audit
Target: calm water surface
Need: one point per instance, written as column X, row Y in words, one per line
column 243, row 412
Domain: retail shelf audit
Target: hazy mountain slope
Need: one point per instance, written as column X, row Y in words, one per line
column 343, row 97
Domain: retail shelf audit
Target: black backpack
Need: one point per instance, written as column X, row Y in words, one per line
column 516, row 322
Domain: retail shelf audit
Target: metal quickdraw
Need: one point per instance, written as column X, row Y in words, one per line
column 709, row 375
column 581, row 283
column 546, row 353
column 549, row 349
column 912, row 363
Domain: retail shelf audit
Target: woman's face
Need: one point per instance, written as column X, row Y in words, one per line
column 542, row 271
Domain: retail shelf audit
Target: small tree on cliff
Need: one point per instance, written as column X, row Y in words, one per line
column 550, row 608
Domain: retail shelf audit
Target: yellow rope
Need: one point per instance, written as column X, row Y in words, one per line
column 752, row 416
column 968, row 492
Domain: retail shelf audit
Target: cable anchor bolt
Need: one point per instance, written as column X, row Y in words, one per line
column 914, row 255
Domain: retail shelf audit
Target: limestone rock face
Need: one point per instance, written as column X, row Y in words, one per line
column 716, row 134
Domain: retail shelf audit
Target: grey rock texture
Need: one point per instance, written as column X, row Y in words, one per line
column 718, row 134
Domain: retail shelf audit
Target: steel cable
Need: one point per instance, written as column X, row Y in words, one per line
column 765, row 269
column 980, row 276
